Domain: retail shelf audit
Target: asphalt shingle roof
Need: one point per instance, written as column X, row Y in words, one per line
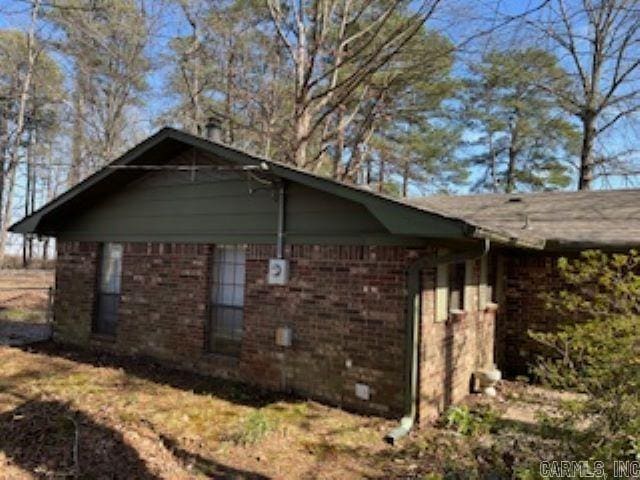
column 605, row 218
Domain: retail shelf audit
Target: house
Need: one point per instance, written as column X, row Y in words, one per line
column 217, row 261
column 567, row 222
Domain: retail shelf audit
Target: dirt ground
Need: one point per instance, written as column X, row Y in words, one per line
column 71, row 413
column 65, row 412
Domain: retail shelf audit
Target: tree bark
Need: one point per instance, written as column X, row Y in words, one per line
column 78, row 131
column 586, row 152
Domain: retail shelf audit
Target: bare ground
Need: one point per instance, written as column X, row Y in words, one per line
column 65, row 412
column 71, row 413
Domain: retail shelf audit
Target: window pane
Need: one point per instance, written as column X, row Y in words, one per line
column 111, row 268
column 228, row 299
column 227, row 274
column 108, row 295
column 456, row 285
column 238, row 296
column 226, row 295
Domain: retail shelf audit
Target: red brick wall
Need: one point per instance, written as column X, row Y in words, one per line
column 526, row 277
column 346, row 306
column 75, row 291
column 451, row 351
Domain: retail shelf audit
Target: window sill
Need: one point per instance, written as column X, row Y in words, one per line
column 491, row 307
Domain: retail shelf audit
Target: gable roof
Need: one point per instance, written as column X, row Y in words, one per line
column 566, row 220
column 398, row 217
column 552, row 220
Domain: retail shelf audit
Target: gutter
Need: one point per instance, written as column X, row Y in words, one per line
column 505, row 238
column 412, row 326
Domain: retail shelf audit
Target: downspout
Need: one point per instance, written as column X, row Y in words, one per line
column 281, row 210
column 412, row 326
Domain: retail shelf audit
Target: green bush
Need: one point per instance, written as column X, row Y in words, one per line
column 596, row 351
column 470, row 422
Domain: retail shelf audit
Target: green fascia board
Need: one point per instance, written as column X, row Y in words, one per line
column 399, row 218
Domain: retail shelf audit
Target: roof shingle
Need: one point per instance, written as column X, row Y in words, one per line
column 600, row 219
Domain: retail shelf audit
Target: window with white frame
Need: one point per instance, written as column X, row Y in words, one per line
column 227, row 300
column 450, row 289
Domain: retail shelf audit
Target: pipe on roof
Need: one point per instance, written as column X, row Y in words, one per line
column 413, row 318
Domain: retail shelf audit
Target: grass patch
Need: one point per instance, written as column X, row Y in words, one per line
column 23, row 315
column 253, row 428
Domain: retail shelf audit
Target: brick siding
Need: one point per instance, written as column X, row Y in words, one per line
column 346, row 306
column 526, row 278
column 452, row 350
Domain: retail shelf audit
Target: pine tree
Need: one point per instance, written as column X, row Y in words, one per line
column 521, row 139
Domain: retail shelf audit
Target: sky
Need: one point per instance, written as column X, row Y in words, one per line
column 461, row 20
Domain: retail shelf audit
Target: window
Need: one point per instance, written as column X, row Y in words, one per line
column 450, row 289
column 106, row 321
column 227, row 300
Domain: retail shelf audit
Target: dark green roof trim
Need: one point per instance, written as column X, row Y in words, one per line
column 397, row 216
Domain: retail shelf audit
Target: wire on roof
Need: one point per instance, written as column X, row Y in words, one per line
column 187, row 167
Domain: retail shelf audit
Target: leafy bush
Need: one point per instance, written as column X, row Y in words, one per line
column 470, row 422
column 596, row 351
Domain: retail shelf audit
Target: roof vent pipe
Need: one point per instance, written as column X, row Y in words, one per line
column 213, row 129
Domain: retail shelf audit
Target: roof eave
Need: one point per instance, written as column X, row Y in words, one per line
column 391, row 212
column 505, row 238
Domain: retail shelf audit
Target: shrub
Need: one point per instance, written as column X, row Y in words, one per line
column 470, row 422
column 596, row 351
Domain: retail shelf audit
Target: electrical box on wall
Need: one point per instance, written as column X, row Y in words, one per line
column 284, row 336
column 363, row 391
column 278, row 271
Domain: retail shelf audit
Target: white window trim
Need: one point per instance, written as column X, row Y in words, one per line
column 442, row 293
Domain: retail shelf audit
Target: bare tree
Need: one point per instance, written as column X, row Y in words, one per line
column 335, row 46
column 105, row 42
column 600, row 44
column 13, row 137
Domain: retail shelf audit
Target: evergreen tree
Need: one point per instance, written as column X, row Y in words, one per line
column 521, row 139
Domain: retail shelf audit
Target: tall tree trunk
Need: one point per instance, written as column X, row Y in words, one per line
column 511, row 171
column 303, row 124
column 513, row 153
column 4, row 233
column 367, row 177
column 20, row 122
column 405, row 178
column 586, row 153
column 48, row 188
column 34, row 187
column 77, row 146
column 27, row 196
column 492, row 164
column 338, row 154
column 4, row 140
column 229, row 94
